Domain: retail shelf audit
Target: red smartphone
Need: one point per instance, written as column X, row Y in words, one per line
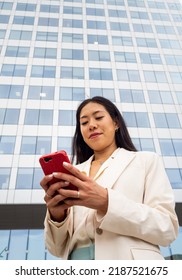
column 54, row 163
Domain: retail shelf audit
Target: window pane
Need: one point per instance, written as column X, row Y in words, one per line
column 64, row 143
column 178, row 147
column 174, row 177
column 43, row 145
column 130, row 119
column 12, row 116
column 16, row 91
column 4, row 178
column 67, row 93
column 24, row 178
column 142, row 119
column 173, row 120
column 28, row 145
column 36, row 240
column 66, row 118
column 38, row 175
column 167, row 148
column 18, row 245
column 7, row 144
column 38, row 92
column 31, row 116
column 147, row 144
column 160, row 120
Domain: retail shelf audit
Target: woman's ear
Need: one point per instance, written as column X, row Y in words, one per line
column 116, row 125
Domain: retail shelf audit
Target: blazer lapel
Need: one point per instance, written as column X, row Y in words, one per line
column 112, row 168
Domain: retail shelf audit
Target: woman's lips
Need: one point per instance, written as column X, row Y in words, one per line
column 94, row 135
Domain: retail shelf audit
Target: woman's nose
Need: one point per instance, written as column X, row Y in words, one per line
column 92, row 125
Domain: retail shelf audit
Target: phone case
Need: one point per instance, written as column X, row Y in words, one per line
column 54, row 163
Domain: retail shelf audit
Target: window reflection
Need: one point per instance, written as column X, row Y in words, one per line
column 28, row 244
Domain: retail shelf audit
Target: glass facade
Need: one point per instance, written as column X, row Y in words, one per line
column 57, row 53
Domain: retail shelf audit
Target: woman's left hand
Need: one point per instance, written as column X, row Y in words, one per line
column 90, row 194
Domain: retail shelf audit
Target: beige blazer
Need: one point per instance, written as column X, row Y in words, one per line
column 140, row 214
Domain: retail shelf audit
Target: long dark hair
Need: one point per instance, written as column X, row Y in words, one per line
column 81, row 150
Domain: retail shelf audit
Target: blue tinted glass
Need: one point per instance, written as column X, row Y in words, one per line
column 160, row 120
column 142, row 119
column 24, row 178
column 36, row 240
column 94, row 74
column 66, row 117
column 106, row 74
column 2, row 114
column 49, row 72
column 173, row 120
column 43, row 145
column 49, row 8
column 4, row 178
column 126, row 95
column 122, row 75
column 7, row 144
column 23, row 20
column 6, row 6
column 176, row 77
column 179, row 96
column 174, row 177
column 28, row 145
column 109, row 94
column 25, row 7
column 31, row 117
column 167, row 148
column 134, row 75
column 4, row 237
column 96, row 92
column 4, row 91
column 20, row 70
column 178, row 147
column 18, row 245
column 12, row 116
column 46, row 117
column 4, row 19
column 2, row 34
column 147, row 144
column 37, row 177
column 64, row 143
column 154, row 96
column 130, row 119
column 38, row 92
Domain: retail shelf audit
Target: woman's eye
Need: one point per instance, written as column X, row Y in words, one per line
column 84, row 123
column 99, row 118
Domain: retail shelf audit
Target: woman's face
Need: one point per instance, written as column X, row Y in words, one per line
column 97, row 127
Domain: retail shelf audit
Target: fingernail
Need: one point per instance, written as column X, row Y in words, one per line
column 65, row 163
column 54, row 173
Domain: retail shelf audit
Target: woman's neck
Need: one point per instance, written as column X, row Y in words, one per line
column 102, row 156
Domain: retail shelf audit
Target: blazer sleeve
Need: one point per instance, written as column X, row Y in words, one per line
column 154, row 219
column 57, row 235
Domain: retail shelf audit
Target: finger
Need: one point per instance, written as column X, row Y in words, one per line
column 77, row 173
column 54, row 188
column 73, row 180
column 71, row 202
column 70, row 193
column 44, row 182
column 53, row 201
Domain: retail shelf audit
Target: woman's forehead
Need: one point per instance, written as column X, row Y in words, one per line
column 91, row 108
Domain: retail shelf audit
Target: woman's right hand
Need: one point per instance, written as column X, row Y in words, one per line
column 54, row 201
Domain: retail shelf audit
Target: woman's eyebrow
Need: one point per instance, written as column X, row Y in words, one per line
column 85, row 116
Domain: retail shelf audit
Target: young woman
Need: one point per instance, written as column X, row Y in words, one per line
column 124, row 206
